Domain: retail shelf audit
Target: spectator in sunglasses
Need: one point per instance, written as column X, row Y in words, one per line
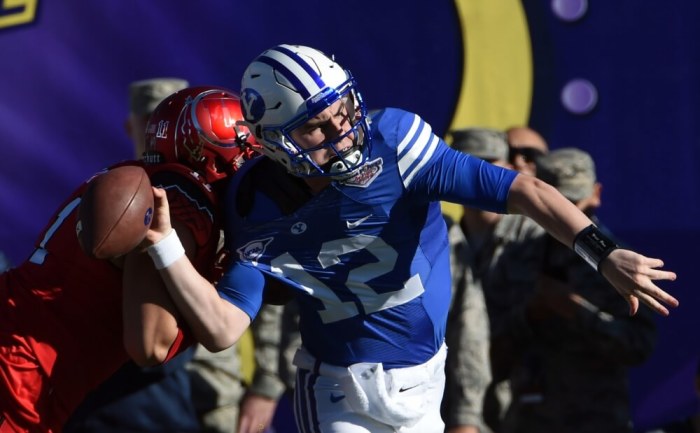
column 526, row 145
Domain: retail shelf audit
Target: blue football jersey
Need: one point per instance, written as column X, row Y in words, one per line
column 368, row 256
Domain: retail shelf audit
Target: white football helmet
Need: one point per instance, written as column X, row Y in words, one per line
column 289, row 84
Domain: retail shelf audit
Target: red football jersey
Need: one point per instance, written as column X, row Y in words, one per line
column 61, row 311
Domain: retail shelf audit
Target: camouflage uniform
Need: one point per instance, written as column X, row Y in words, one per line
column 277, row 341
column 575, row 336
column 218, row 385
column 268, row 333
column 290, row 341
column 467, row 338
column 572, row 375
column 485, row 280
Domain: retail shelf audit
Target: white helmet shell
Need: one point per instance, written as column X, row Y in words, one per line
column 285, row 77
column 283, row 88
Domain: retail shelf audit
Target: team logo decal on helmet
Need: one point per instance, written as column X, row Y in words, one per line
column 253, row 105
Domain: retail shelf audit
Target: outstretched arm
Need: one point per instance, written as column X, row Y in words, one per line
column 631, row 273
column 215, row 322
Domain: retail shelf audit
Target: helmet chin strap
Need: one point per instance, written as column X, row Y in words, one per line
column 351, row 156
column 342, row 165
column 338, row 163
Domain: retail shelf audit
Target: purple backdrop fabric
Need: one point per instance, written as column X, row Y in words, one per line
column 65, row 74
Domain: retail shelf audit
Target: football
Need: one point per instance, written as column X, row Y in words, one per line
column 115, row 212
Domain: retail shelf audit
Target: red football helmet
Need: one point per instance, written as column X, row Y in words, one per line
column 197, row 127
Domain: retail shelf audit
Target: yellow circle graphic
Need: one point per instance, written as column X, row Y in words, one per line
column 496, row 90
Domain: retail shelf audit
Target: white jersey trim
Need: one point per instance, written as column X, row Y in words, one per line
column 420, row 147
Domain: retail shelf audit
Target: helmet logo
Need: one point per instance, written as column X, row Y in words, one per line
column 253, row 105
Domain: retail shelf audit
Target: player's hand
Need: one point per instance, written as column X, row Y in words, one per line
column 256, row 413
column 160, row 225
column 633, row 277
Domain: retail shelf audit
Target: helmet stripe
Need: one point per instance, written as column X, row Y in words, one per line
column 303, row 63
column 299, row 73
column 282, row 70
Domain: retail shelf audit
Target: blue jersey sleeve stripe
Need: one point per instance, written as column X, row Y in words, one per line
column 415, row 137
column 421, row 160
column 409, row 135
column 421, row 131
column 417, row 151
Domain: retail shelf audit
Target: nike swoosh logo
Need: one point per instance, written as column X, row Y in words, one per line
column 353, row 224
column 336, row 398
column 406, row 389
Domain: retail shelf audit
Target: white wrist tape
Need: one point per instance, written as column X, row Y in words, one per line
column 166, row 251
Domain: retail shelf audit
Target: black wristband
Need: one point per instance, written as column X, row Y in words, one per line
column 593, row 246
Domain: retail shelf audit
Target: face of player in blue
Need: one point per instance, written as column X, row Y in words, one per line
column 331, row 125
